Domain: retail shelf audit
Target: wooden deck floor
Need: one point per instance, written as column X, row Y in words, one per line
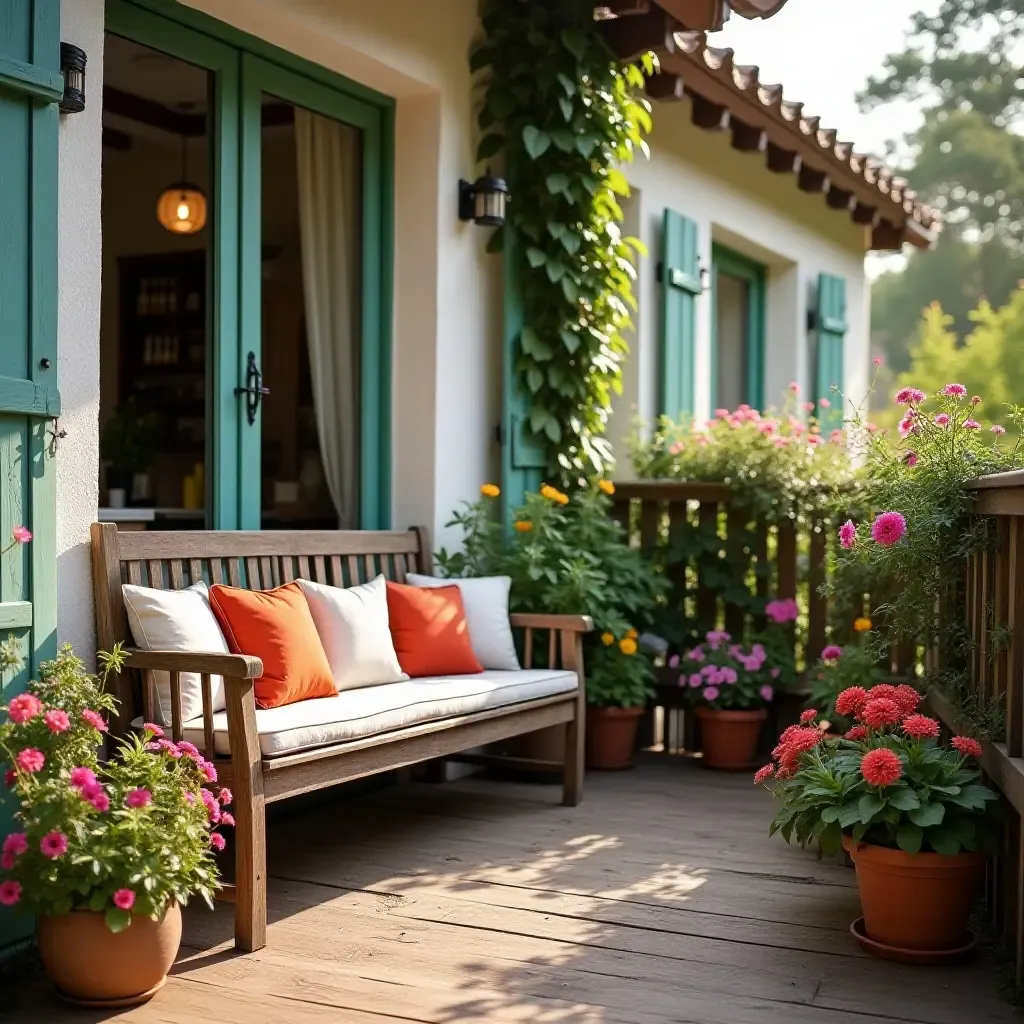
column 659, row 900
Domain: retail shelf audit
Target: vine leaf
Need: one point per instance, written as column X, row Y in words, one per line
column 570, row 339
column 536, row 257
column 567, row 84
column 564, row 139
column 555, row 270
column 575, row 42
column 585, row 144
column 557, row 183
column 535, row 141
column 567, row 108
column 489, row 145
column 570, row 289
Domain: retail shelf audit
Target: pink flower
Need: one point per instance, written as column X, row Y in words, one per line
column 910, row 459
column 10, row 778
column 227, row 819
column 82, row 777
column 775, row 673
column 766, row 692
column 710, row 692
column 57, row 721
column 21, row 534
column 767, row 429
column 813, row 439
column 728, row 675
column 872, row 428
column 30, row 760
column 907, row 425
column 124, row 899
column 96, row 795
column 908, row 396
column 889, row 528
column 23, row 708
column 673, row 662
column 10, row 893
column 217, row 841
column 170, row 748
column 189, row 798
column 971, row 425
column 676, row 448
column 153, row 728
column 224, row 797
column 189, row 750
column 763, row 774
column 954, row 390
column 877, row 361
column 717, row 636
column 942, row 419
column 695, row 680
column 54, row 845
column 833, row 652
column 696, row 654
column 94, row 719
column 8, row 861
column 997, row 429
column 881, row 767
column 794, row 387
column 836, row 437
column 138, row 798
column 966, row 746
column 16, row 844
column 210, row 803
column 781, row 442
column 722, row 414
column 781, row 610
column 208, row 771
column 807, row 407
column 824, row 403
column 847, row 534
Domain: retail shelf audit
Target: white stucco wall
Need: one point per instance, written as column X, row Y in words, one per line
column 78, row 338
column 737, row 202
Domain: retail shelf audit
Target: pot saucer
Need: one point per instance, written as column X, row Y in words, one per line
column 911, row 956
column 111, row 1004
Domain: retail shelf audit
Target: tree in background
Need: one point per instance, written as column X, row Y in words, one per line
column 963, row 66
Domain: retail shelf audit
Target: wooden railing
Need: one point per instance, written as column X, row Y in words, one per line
column 994, row 608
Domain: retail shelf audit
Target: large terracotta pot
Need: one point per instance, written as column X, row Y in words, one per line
column 92, row 966
column 611, row 735
column 915, row 901
column 729, row 738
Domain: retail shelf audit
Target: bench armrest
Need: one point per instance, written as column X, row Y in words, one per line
column 566, row 623
column 236, row 666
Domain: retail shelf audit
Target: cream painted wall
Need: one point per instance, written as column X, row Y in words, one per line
column 737, row 202
column 78, row 333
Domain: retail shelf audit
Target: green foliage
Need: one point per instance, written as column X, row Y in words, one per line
column 567, row 555
column 566, row 115
column 129, row 438
column 938, row 803
column 857, row 665
column 158, row 850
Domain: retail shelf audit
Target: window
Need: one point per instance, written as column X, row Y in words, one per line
column 737, row 329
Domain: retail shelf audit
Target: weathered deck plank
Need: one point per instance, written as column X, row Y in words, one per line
column 658, row 900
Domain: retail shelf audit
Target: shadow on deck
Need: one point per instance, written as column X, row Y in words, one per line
column 660, row 899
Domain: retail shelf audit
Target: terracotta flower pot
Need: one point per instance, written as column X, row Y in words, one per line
column 92, row 966
column 611, row 734
column 915, row 901
column 729, row 738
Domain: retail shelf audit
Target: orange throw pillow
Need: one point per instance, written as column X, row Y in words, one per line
column 277, row 627
column 428, row 627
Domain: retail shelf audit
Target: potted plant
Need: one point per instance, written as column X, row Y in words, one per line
column 911, row 811
column 103, row 853
column 729, row 686
column 838, row 669
column 619, row 678
column 127, row 443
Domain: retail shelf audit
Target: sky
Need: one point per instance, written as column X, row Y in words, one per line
column 822, row 51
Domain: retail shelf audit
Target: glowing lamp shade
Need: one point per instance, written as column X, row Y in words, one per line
column 182, row 209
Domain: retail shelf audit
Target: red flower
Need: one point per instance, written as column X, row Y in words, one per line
column 884, row 690
column 921, row 727
column 10, row 778
column 793, row 742
column 851, row 700
column 858, row 732
column 907, row 697
column 967, row 746
column 763, row 773
column 880, row 712
column 881, row 767
column 808, row 716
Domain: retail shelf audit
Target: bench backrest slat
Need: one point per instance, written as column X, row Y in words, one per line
column 254, row 560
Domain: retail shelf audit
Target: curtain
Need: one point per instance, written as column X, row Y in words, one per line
column 328, row 226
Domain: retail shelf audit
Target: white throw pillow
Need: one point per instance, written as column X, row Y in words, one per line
column 177, row 620
column 355, row 632
column 485, row 599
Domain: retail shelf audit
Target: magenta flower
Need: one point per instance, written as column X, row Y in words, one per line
column 954, row 390
column 997, row 429
column 907, row 425
column 781, row 610
column 96, row 795
column 766, row 692
column 138, row 798
column 775, row 673
column 153, row 728
column 57, row 721
column 695, row 679
column 8, row 861
column 909, row 396
column 224, row 797
column 94, row 719
column 673, row 662
column 710, row 692
column 910, row 459
column 16, row 844
column 208, row 771
column 21, row 534
column 54, row 845
column 889, row 528
column 10, row 778
column 210, row 803
column 170, row 748
column 877, row 361
column 942, row 419
column 227, row 819
column 10, row 893
column 124, row 899
column 727, row 675
column 718, row 636
column 190, row 750
column 848, row 534
column 832, row 653
column 30, row 760
column 695, row 655
column 82, row 777
column 971, row 425
column 23, row 708
column 794, row 387
column 217, row 841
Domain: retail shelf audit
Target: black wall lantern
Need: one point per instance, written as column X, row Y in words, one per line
column 72, row 67
column 483, row 201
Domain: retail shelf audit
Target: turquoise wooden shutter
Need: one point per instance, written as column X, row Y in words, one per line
column 30, row 85
column 523, row 459
column 830, row 326
column 680, row 284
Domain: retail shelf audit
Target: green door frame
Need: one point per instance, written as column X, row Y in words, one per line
column 244, row 67
column 728, row 261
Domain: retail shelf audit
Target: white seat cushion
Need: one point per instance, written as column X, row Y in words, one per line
column 355, row 714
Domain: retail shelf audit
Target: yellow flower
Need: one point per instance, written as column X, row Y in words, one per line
column 861, row 625
column 607, row 639
column 549, row 492
column 524, row 525
column 632, row 634
column 606, row 486
column 490, row 490
column 627, row 645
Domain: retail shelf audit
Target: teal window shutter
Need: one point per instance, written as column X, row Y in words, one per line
column 830, row 326
column 680, row 286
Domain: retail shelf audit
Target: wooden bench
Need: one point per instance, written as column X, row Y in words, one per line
column 173, row 560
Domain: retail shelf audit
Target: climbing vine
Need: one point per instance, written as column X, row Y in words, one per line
column 565, row 114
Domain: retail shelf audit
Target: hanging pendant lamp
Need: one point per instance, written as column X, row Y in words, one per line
column 181, row 208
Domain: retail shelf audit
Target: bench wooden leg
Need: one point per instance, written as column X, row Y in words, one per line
column 575, row 731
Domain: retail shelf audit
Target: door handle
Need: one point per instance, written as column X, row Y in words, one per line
column 253, row 390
